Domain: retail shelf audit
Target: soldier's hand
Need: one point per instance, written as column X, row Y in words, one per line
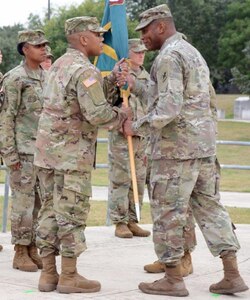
column 16, row 166
column 127, row 128
column 120, row 72
column 127, row 111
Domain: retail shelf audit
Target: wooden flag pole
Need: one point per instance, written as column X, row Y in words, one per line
column 132, row 164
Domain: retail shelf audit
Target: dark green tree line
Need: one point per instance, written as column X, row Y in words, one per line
column 8, row 46
column 219, row 29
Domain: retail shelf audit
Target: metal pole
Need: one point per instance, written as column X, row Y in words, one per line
column 6, row 201
column 48, row 9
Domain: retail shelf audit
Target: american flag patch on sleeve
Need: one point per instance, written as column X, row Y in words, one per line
column 90, row 81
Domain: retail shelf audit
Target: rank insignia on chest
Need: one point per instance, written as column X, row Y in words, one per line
column 90, row 81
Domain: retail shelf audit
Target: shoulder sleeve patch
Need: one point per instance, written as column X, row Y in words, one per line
column 90, row 81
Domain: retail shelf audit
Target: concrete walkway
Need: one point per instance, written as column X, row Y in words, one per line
column 118, row 265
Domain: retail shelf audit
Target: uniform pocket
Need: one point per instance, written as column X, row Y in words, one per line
column 80, row 184
column 165, row 180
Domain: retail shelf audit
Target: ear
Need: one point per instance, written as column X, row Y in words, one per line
column 25, row 49
column 161, row 27
column 83, row 40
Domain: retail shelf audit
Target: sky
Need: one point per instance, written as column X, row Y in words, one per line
column 17, row 11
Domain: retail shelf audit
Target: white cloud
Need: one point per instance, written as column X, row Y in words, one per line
column 18, row 11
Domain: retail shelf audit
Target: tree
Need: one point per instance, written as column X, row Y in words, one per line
column 35, row 22
column 201, row 21
column 243, row 80
column 54, row 28
column 8, row 42
column 134, row 8
column 235, row 35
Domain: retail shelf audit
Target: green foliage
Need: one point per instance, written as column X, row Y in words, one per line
column 134, row 8
column 8, row 42
column 34, row 22
column 54, row 28
column 219, row 29
column 243, row 80
column 201, row 21
column 235, row 36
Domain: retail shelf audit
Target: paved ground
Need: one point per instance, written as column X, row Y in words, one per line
column 118, row 265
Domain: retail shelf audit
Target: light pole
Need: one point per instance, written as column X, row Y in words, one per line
column 48, row 9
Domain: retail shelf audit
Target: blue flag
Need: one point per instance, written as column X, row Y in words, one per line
column 116, row 38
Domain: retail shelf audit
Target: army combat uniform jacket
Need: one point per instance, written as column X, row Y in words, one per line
column 23, row 99
column 74, row 107
column 180, row 117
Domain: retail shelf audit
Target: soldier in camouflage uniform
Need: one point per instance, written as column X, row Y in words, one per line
column 22, row 87
column 1, row 59
column 1, row 105
column 188, row 235
column 74, row 107
column 121, row 199
column 1, row 77
column 183, row 157
column 189, row 229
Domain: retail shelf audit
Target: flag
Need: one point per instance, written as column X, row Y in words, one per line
column 116, row 38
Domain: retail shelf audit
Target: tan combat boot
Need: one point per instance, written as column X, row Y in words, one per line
column 49, row 277
column 171, row 285
column 1, row 247
column 71, row 282
column 137, row 230
column 155, row 267
column 22, row 261
column 186, row 264
column 232, row 282
column 122, row 231
column 33, row 254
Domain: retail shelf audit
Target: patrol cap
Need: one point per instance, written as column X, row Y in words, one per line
column 136, row 45
column 48, row 52
column 84, row 23
column 33, row 37
column 154, row 13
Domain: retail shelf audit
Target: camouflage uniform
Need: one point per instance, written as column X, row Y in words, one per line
column 183, row 151
column 74, row 107
column 1, row 108
column 121, row 199
column 22, row 89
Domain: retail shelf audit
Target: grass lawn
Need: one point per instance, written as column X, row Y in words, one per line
column 231, row 179
column 98, row 214
column 226, row 103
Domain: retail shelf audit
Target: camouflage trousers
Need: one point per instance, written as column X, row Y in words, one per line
column 177, row 184
column 25, row 202
column 120, row 194
column 65, row 208
column 189, row 229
